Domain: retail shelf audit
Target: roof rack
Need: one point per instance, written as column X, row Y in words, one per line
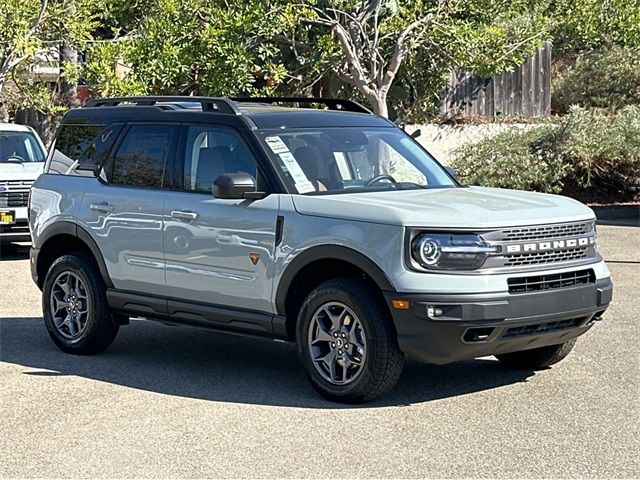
column 229, row 105
column 209, row 104
column 332, row 103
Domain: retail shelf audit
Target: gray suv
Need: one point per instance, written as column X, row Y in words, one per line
column 329, row 227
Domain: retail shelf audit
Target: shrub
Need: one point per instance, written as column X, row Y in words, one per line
column 605, row 78
column 511, row 159
column 589, row 155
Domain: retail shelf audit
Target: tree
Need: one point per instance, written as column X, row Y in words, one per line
column 373, row 39
column 192, row 47
column 581, row 25
column 28, row 28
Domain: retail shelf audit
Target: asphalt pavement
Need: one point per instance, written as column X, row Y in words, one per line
column 176, row 402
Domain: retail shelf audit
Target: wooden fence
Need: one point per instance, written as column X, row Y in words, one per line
column 525, row 92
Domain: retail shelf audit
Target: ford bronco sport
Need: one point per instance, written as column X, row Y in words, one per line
column 328, row 227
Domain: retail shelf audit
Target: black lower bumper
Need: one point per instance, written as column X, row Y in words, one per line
column 447, row 328
column 15, row 232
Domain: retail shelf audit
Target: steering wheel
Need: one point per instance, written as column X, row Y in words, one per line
column 14, row 159
column 378, row 178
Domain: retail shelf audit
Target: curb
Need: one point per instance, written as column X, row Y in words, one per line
column 629, row 214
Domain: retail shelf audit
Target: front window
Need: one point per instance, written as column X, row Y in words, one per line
column 19, row 147
column 352, row 159
column 212, row 151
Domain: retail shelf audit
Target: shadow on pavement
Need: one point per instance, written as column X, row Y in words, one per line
column 195, row 363
column 13, row 251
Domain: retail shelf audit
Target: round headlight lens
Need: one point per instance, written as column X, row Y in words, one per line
column 429, row 250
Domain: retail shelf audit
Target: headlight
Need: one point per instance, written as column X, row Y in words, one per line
column 444, row 251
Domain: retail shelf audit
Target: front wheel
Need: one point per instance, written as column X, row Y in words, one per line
column 346, row 342
column 75, row 308
column 537, row 358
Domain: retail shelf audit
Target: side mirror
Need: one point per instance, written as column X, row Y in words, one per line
column 452, row 171
column 236, row 186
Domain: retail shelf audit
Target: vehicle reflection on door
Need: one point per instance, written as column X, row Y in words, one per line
column 208, row 256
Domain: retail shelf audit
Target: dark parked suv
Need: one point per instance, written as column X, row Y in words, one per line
column 326, row 226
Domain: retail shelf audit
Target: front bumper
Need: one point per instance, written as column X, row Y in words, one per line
column 15, row 232
column 477, row 325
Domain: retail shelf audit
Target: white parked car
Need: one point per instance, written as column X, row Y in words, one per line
column 22, row 156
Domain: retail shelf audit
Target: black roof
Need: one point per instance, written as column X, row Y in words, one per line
column 261, row 112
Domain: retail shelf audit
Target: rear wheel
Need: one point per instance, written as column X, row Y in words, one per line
column 537, row 358
column 346, row 342
column 75, row 308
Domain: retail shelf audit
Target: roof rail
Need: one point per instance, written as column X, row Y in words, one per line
column 228, row 105
column 332, row 103
column 209, row 104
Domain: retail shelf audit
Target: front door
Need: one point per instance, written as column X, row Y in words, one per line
column 218, row 252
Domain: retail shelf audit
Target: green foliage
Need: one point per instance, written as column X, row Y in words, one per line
column 218, row 47
column 512, row 159
column 199, row 47
column 27, row 29
column 581, row 25
column 588, row 155
column 606, row 78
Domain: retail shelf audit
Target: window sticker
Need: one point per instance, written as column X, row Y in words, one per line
column 303, row 185
column 276, row 145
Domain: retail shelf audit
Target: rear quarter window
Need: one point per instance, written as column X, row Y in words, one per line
column 81, row 145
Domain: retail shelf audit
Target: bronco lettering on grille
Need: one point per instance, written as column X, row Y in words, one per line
column 550, row 245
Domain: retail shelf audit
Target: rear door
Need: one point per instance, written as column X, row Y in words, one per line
column 218, row 252
column 123, row 209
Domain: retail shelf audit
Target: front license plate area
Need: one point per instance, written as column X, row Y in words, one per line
column 7, row 217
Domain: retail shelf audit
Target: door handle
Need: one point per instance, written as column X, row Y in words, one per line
column 104, row 207
column 184, row 215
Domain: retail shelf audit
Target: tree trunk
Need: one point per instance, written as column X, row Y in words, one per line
column 68, row 90
column 4, row 113
column 379, row 104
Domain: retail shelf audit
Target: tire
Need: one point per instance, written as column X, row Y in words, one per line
column 537, row 358
column 78, row 333
column 361, row 370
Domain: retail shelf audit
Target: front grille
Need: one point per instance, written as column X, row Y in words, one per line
column 15, row 193
column 526, row 330
column 540, row 245
column 14, row 199
column 540, row 283
column 547, row 231
column 539, row 258
column 16, row 183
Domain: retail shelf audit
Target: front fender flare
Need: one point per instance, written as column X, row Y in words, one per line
column 328, row 252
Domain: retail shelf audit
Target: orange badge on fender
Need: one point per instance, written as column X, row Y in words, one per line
column 254, row 257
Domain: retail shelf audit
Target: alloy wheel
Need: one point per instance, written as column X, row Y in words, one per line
column 69, row 304
column 337, row 343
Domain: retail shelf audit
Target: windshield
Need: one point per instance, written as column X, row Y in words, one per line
column 353, row 159
column 19, row 147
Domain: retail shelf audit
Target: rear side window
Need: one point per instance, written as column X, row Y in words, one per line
column 141, row 157
column 81, row 145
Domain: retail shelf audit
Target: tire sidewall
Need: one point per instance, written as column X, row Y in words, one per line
column 313, row 303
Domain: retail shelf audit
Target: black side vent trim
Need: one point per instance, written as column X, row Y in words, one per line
column 524, row 331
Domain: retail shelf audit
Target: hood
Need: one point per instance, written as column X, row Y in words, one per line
column 470, row 207
column 20, row 171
